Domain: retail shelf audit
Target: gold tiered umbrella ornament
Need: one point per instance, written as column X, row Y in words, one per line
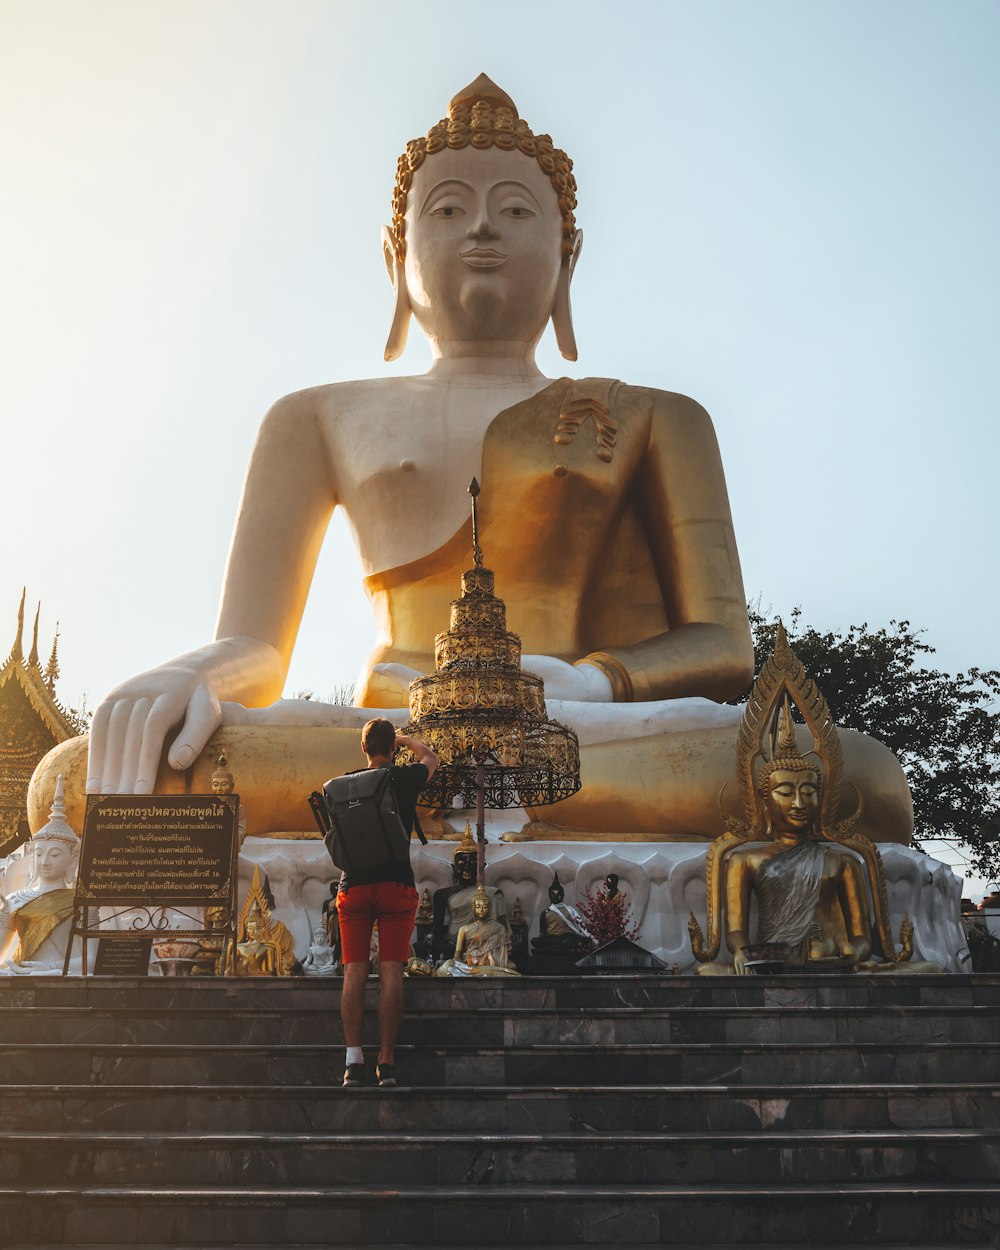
column 484, row 716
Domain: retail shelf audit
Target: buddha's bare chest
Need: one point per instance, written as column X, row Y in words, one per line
column 402, row 461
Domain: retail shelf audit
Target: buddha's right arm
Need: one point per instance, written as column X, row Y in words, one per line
column 284, row 512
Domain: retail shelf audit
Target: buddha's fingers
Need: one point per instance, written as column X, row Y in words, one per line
column 96, row 748
column 132, row 744
column 204, row 716
column 160, row 719
column 114, row 744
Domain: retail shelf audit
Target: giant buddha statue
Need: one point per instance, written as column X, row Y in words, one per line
column 604, row 509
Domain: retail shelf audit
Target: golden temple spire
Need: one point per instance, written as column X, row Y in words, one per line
column 52, row 667
column 17, row 651
column 33, row 661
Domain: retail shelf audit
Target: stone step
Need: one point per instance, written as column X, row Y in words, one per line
column 477, row 1215
column 587, row 993
column 468, row 1024
column 427, row 1159
column 552, row 1245
column 628, row 1064
column 499, row 1109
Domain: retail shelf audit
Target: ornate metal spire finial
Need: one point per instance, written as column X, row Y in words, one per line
column 52, row 667
column 477, row 551
column 17, row 651
column 33, row 660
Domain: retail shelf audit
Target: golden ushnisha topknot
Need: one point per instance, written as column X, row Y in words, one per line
column 484, row 116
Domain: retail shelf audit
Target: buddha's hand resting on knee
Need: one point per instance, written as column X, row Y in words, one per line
column 580, row 683
column 130, row 726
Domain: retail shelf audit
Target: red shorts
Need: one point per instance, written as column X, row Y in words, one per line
column 393, row 905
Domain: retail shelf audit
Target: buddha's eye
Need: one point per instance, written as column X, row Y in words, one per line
column 446, row 210
column 517, row 210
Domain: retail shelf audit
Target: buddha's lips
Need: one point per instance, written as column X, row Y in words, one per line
column 483, row 257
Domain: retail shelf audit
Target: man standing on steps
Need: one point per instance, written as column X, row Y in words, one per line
column 385, row 893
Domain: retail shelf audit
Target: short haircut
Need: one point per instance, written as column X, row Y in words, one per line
column 378, row 737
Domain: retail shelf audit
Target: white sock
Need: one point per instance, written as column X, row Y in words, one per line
column 355, row 1054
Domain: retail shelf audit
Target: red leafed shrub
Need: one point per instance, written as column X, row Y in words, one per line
column 607, row 918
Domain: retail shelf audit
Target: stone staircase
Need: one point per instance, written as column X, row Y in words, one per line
column 826, row 1111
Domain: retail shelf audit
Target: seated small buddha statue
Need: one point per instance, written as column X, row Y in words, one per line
column 482, row 948
column 264, row 946
column 453, row 903
column 605, row 505
column 223, row 782
column 258, row 955
column 423, row 923
column 811, row 879
column 320, row 959
column 519, row 926
column 35, row 920
column 562, row 935
column 560, row 922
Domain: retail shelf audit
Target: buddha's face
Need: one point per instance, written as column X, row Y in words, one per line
column 222, row 783
column 464, row 867
column 483, row 246
column 793, row 801
column 481, row 908
column 556, row 894
column 52, row 861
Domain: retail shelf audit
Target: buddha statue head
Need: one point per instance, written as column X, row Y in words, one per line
column 481, row 905
column 55, row 849
column 463, row 861
column 483, row 240
column 223, row 781
column 556, row 892
column 253, row 926
column 790, row 783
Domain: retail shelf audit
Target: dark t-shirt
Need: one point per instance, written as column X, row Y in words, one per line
column 407, row 780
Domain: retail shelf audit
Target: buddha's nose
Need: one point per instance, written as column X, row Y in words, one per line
column 481, row 227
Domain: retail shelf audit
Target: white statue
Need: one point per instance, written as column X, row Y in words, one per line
column 39, row 914
column 319, row 960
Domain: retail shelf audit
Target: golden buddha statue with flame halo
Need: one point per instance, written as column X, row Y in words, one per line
column 605, row 505
column 815, row 881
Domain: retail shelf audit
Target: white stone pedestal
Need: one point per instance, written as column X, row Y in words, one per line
column 664, row 881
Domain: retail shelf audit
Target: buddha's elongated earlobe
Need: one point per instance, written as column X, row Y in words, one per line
column 562, row 312
column 399, row 329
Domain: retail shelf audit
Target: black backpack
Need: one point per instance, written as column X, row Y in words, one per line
column 359, row 821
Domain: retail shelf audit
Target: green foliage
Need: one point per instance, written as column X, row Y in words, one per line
column 944, row 730
column 984, row 948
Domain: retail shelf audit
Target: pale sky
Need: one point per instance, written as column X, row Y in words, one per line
column 790, row 213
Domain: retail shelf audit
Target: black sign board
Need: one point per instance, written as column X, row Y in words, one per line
column 123, row 957
column 145, row 856
column 166, row 850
